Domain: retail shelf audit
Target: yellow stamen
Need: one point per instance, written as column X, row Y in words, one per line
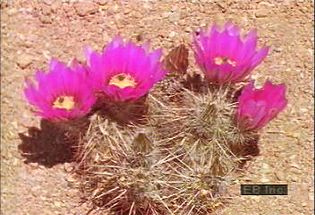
column 123, row 80
column 218, row 60
column 222, row 60
column 64, row 102
column 231, row 62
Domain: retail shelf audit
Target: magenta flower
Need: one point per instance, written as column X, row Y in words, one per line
column 259, row 106
column 61, row 94
column 124, row 71
column 226, row 57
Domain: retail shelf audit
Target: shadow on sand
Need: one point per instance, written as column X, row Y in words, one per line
column 247, row 151
column 48, row 145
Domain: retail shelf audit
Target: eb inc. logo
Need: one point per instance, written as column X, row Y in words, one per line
column 264, row 189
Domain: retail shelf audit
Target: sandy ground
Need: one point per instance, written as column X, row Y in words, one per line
column 33, row 176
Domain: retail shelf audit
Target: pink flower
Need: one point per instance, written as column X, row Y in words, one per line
column 226, row 57
column 124, row 71
column 259, row 106
column 61, row 94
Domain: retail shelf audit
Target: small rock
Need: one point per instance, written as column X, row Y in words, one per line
column 101, row 2
column 68, row 167
column 278, row 49
column 294, row 178
column 187, row 29
column 85, row 8
column 174, row 17
column 27, row 44
column 172, row 34
column 112, row 10
column 222, row 6
column 265, row 166
column 34, row 165
column 45, row 19
column 296, row 166
column 166, row 14
column 12, row 11
column 48, row 2
column 244, row 20
column 57, row 204
column 261, row 13
column 265, row 4
column 55, row 5
column 4, row 4
column 46, row 54
column 15, row 162
column 147, row 5
column 24, row 60
column 26, row 11
column 280, row 176
column 140, row 37
column 127, row 11
column 264, row 180
column 311, row 196
column 292, row 157
column 46, row 10
column 35, row 188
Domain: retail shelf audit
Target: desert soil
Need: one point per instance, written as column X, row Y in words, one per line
column 34, row 173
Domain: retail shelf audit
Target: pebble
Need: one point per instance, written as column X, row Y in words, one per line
column 112, row 10
column 222, row 6
column 43, row 198
column 278, row 49
column 46, row 54
column 261, row 13
column 85, row 8
column 27, row 44
column 68, row 167
column 166, row 14
column 311, row 196
column 280, row 175
column 296, row 166
column 48, row 2
column 24, row 60
column 101, row 2
column 264, row 180
column 293, row 157
column 45, row 19
column 46, row 10
column 4, row 4
column 187, row 29
column 293, row 178
column 15, row 162
column 55, row 6
column 172, row 34
column 12, row 11
column 140, row 37
column 127, row 11
column 148, row 5
column 265, row 4
column 174, row 17
column 57, row 204
column 265, row 166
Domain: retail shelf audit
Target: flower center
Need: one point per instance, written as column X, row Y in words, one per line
column 123, row 80
column 222, row 60
column 64, row 102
